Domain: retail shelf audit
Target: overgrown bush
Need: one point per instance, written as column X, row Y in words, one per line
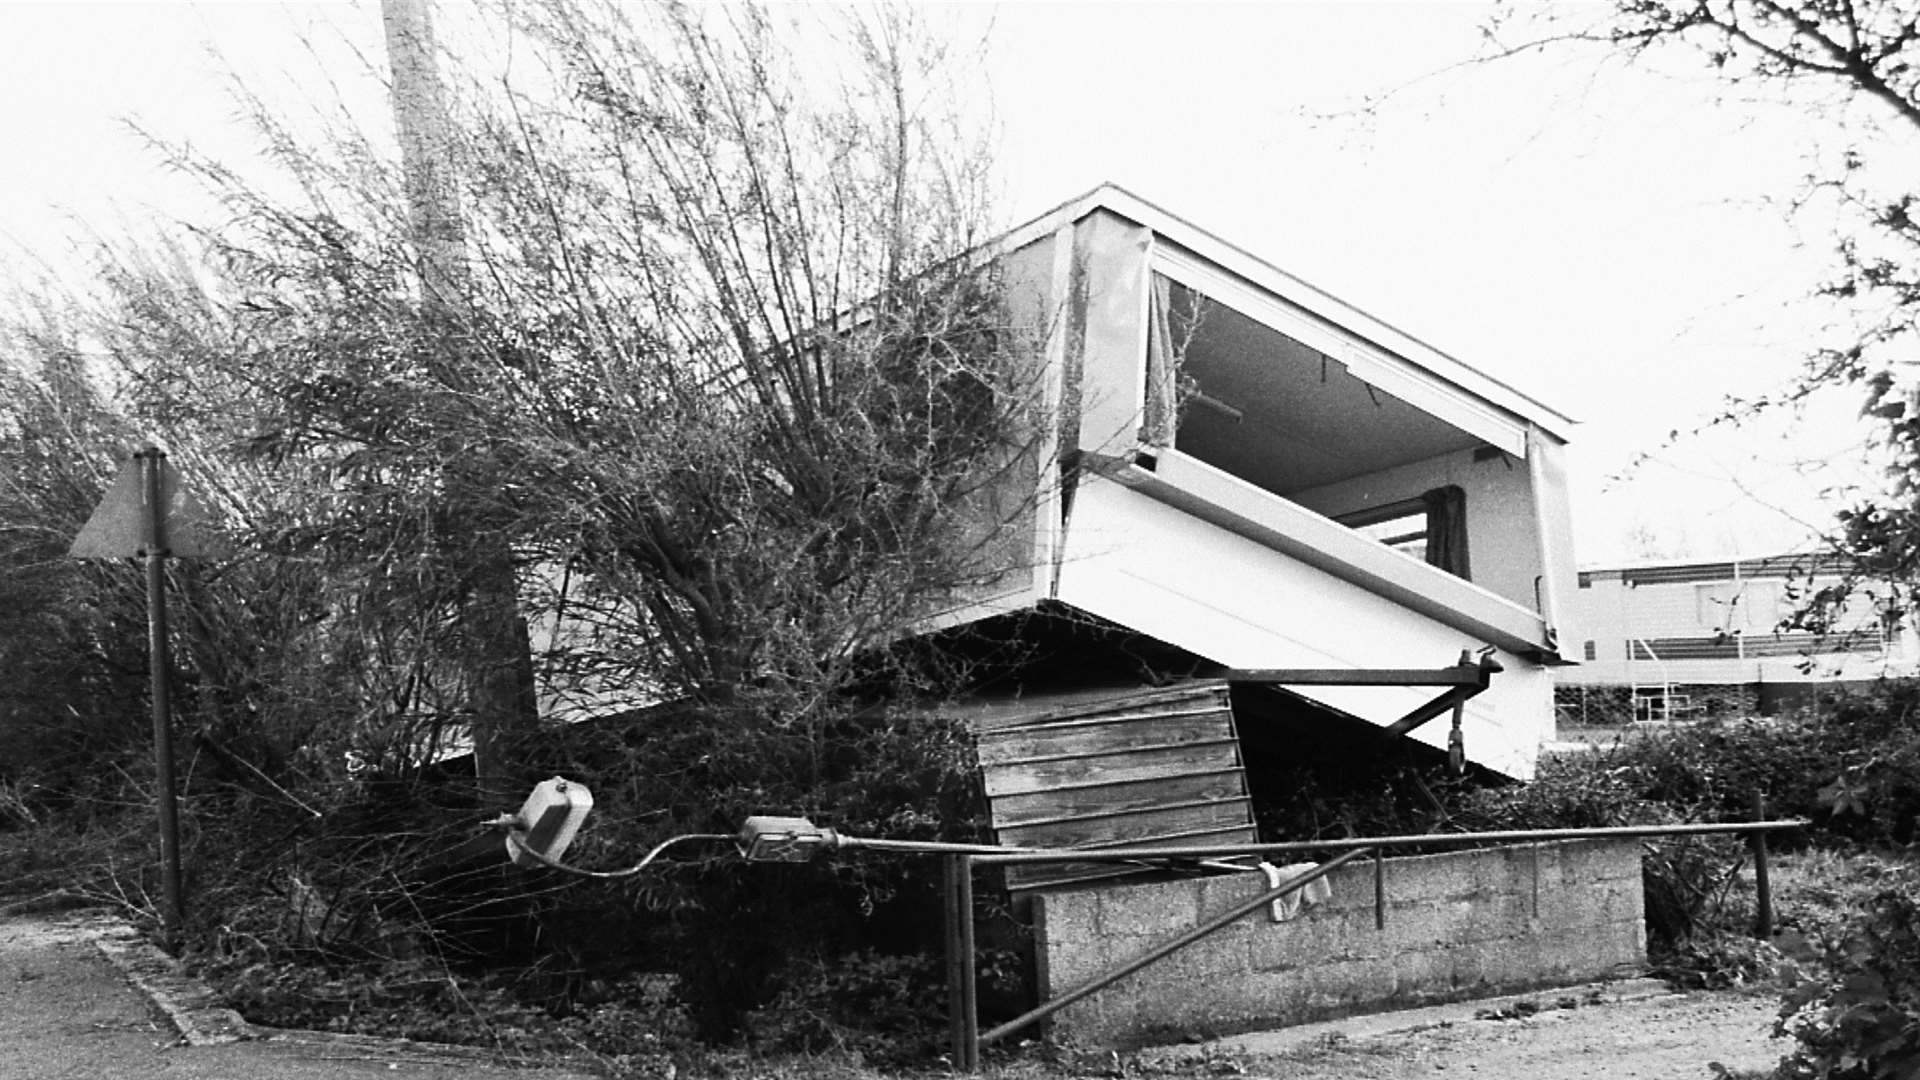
column 732, row 932
column 1872, row 792
column 1856, row 1016
column 400, row 877
column 1850, row 764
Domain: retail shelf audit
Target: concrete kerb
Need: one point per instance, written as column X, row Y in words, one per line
column 189, row 1004
column 1376, row 1026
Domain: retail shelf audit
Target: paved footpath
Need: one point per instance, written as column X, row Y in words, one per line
column 84, row 997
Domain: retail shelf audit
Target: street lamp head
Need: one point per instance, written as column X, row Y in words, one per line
column 784, row 839
column 540, row 833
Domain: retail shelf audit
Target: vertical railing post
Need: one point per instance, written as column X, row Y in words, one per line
column 1534, row 849
column 1762, row 880
column 963, row 1010
column 1379, row 891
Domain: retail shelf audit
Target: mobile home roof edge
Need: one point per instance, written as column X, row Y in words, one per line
column 1288, row 287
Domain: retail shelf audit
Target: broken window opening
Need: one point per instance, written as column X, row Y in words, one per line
column 1233, row 392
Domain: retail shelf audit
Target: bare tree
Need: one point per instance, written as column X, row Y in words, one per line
column 711, row 376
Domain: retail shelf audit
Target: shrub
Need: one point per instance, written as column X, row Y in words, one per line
column 308, row 920
column 1870, row 790
column 1859, row 1018
column 1850, row 765
column 887, row 1009
column 739, row 936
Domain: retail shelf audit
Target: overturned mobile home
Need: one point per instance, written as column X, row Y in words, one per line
column 1259, row 529
column 1339, row 527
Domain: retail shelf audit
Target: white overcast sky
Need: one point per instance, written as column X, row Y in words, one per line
column 1599, row 237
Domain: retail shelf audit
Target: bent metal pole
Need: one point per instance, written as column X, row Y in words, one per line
column 1101, row 982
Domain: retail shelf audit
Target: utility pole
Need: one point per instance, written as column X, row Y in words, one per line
column 428, row 154
column 494, row 635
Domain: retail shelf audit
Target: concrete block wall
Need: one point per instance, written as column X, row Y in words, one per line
column 1458, row 924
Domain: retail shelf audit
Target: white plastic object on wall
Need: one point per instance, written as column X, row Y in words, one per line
column 1317, row 891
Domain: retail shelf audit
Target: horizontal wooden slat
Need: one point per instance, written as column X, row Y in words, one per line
column 1104, row 719
column 1090, row 755
column 1088, row 770
column 1124, row 797
column 1142, row 824
column 1028, row 744
column 1038, row 875
column 987, row 718
column 1222, row 834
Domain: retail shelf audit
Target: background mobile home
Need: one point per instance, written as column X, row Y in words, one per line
column 1671, row 640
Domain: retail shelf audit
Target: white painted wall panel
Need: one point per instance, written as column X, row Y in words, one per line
column 1134, row 560
column 1013, row 525
column 1553, row 523
column 1111, row 256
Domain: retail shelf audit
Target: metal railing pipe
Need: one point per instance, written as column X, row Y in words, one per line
column 1215, row 851
column 842, row 842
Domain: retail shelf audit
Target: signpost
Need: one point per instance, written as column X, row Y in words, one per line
column 147, row 514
